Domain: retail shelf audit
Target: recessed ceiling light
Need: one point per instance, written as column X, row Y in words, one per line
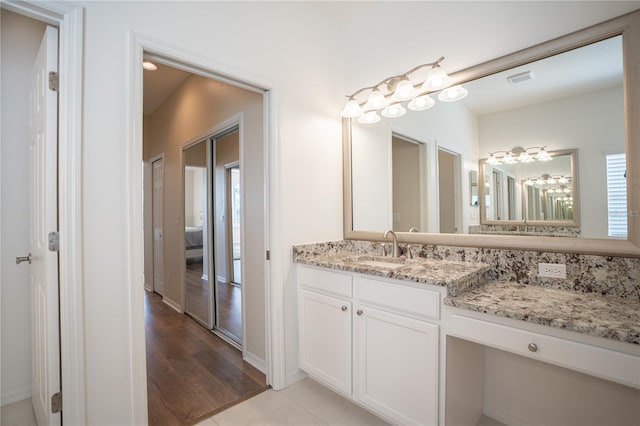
column 519, row 78
column 149, row 66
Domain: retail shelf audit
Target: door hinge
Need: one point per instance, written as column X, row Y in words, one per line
column 53, row 81
column 54, row 241
column 268, row 255
column 56, row 402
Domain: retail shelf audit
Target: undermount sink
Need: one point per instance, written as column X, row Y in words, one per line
column 381, row 262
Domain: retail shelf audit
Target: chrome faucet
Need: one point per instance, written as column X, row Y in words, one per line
column 408, row 251
column 395, row 249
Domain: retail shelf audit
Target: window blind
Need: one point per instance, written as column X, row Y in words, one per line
column 617, row 195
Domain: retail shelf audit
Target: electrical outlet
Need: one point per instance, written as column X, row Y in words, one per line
column 552, row 270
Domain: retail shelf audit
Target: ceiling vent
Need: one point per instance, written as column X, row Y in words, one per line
column 521, row 77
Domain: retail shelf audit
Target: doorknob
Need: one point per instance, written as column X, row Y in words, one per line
column 21, row 259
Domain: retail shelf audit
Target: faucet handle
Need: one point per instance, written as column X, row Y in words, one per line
column 383, row 249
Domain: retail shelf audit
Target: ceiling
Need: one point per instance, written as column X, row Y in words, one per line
column 159, row 84
column 589, row 68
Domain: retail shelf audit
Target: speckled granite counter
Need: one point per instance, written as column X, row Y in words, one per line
column 456, row 276
column 589, row 313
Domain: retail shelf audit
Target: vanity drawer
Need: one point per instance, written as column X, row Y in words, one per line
column 403, row 299
column 325, row 281
column 600, row 362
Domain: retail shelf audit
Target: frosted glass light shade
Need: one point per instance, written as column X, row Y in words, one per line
column 453, row 93
column 351, row 109
column 376, row 100
column 543, row 155
column 149, row 66
column 437, row 79
column 369, row 118
column 404, row 91
column 421, row 103
column 393, row 111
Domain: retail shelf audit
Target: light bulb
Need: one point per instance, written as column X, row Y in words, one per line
column 421, row 103
column 404, row 91
column 437, row 79
column 493, row 159
column 524, row 157
column 376, row 100
column 351, row 109
column 508, row 158
column 543, row 155
column 528, row 182
column 149, row 66
column 369, row 118
column 453, row 93
column 563, row 180
column 393, row 111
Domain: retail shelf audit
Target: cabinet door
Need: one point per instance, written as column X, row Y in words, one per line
column 397, row 366
column 325, row 339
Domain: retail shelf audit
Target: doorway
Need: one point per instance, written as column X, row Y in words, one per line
column 449, row 191
column 210, row 133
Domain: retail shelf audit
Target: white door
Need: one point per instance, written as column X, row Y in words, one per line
column 158, row 258
column 43, row 111
column 397, row 366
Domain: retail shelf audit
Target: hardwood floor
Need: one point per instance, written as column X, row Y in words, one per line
column 191, row 373
column 229, row 302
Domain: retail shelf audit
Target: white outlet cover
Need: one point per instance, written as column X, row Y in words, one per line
column 552, row 270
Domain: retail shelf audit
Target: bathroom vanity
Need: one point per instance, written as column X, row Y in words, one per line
column 406, row 338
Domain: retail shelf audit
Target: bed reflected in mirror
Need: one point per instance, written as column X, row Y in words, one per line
column 196, row 253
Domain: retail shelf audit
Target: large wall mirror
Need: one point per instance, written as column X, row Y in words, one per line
column 550, row 135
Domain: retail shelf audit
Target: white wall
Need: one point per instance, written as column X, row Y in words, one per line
column 21, row 39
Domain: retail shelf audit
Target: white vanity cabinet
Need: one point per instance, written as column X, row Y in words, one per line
column 388, row 325
column 324, row 321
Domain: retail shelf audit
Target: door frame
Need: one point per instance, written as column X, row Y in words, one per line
column 69, row 19
column 229, row 222
column 274, row 269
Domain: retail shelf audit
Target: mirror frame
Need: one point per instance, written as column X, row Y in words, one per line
column 626, row 25
column 575, row 192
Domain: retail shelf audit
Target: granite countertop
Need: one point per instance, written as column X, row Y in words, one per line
column 455, row 275
column 588, row 313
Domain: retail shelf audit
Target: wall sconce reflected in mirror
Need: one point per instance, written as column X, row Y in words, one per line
column 519, row 155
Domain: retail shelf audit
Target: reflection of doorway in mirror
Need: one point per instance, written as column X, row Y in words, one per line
column 448, row 190
column 496, row 184
column 406, row 184
column 511, row 197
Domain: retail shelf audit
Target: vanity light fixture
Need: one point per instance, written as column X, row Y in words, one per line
column 149, row 66
column 389, row 94
column 518, row 155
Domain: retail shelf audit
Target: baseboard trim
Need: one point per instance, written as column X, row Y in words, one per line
column 252, row 359
column 221, row 279
column 205, row 277
column 296, row 376
column 176, row 306
column 15, row 396
column 507, row 417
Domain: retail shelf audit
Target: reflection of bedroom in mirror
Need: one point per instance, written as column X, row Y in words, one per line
column 212, row 241
column 196, row 230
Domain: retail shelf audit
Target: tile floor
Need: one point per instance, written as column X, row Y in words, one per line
column 18, row 414
column 303, row 403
